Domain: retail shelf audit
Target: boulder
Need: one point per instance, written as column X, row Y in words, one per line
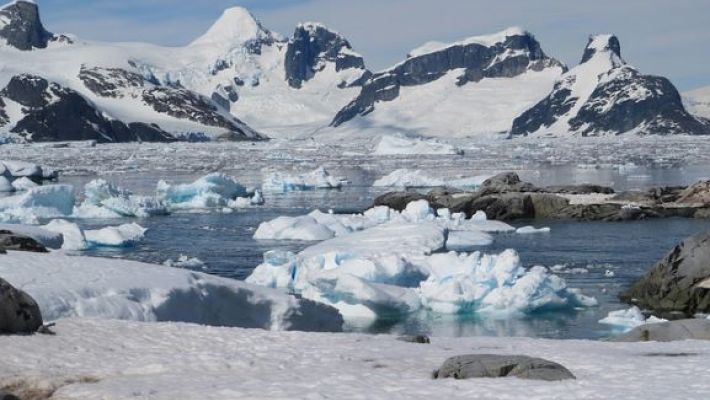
column 548, row 205
column 505, row 183
column 696, row 194
column 7, row 396
column 398, row 200
column 505, row 206
column 418, row 339
column 678, row 282
column 12, row 241
column 685, row 329
column 498, row 366
column 19, row 313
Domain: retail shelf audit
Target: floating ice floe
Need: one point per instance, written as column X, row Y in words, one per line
column 211, row 191
column 384, row 264
column 66, row 287
column 406, row 178
column 392, row 145
column 116, row 236
column 525, row 230
column 626, row 320
column 185, row 262
column 50, row 201
column 106, row 200
column 320, row 178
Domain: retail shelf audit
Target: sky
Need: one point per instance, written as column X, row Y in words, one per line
column 661, row 37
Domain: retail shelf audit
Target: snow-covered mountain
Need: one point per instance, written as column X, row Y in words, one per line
column 604, row 95
column 472, row 87
column 698, row 102
column 241, row 81
column 57, row 87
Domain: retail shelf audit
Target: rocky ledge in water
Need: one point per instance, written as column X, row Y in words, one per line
column 506, row 197
column 679, row 283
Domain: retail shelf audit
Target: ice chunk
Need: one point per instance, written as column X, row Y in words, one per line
column 49, row 201
column 211, row 191
column 74, row 238
column 317, row 179
column 5, row 185
column 405, row 178
column 185, row 262
column 17, row 169
column 525, row 230
column 23, row 183
column 293, row 228
column 418, row 211
column 106, row 200
column 116, row 236
column 466, row 240
column 626, row 320
column 392, row 145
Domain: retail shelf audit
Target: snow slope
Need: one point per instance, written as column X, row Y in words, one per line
column 160, row 361
column 698, row 102
column 66, row 286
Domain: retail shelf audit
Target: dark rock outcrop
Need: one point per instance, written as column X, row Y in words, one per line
column 477, row 61
column 685, row 329
column 311, row 47
column 623, row 100
column 506, row 182
column 7, row 396
column 19, row 313
column 499, row 366
column 24, row 29
column 12, row 241
column 675, row 284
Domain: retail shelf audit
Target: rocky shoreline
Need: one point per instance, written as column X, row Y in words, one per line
column 505, row 197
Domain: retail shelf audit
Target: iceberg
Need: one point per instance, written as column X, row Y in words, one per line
column 626, row 320
column 106, row 200
column 116, row 236
column 73, row 237
column 393, row 145
column 406, row 178
column 320, row 178
column 50, row 201
column 211, row 191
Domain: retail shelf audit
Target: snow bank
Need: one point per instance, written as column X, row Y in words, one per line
column 406, row 178
column 381, row 264
column 65, row 287
column 392, row 145
column 49, row 201
column 166, row 361
column 626, row 320
column 320, row 178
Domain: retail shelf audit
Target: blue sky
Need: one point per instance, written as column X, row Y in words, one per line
column 664, row 37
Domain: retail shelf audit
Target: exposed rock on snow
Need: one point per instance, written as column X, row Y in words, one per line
column 13, row 241
column 22, row 29
column 19, row 313
column 497, row 366
column 605, row 96
column 86, row 287
column 674, row 284
column 46, row 237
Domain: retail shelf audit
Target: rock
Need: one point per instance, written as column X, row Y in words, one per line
column 7, row 396
column 398, row 200
column 11, row 241
column 685, row 329
column 498, row 366
column 676, row 282
column 548, row 205
column 505, row 183
column 19, row 313
column 311, row 46
column 419, row 339
column 703, row 213
column 504, row 207
column 696, row 194
column 579, row 189
column 22, row 27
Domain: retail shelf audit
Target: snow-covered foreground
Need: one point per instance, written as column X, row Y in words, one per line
column 120, row 360
column 65, row 287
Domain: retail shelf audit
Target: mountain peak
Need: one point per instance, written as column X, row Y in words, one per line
column 236, row 25
column 604, row 43
column 483, row 40
column 21, row 26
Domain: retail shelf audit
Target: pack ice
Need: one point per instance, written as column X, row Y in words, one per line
column 387, row 264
